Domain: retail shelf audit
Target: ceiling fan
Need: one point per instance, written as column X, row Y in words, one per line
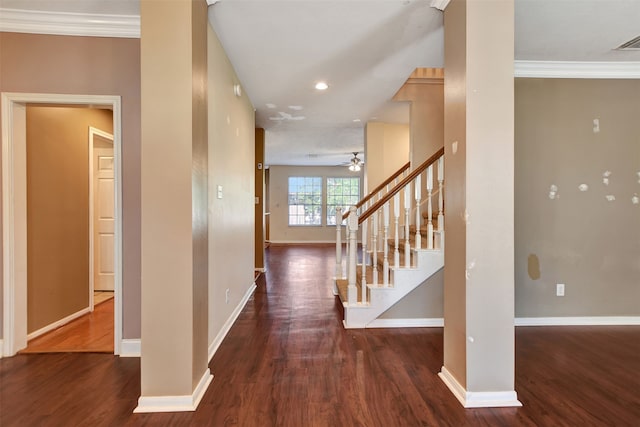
column 355, row 164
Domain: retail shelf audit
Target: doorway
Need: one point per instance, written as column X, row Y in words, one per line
column 15, row 212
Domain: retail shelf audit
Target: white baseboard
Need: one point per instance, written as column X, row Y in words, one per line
column 213, row 347
column 175, row 403
column 475, row 399
column 1, row 348
column 130, row 348
column 57, row 324
column 407, row 323
column 578, row 321
column 300, row 242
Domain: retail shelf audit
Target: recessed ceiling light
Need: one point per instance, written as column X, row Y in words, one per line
column 322, row 86
column 357, row 120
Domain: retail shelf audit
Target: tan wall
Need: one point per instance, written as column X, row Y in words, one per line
column 260, row 202
column 579, row 239
column 386, row 150
column 35, row 63
column 58, row 210
column 231, row 165
column 279, row 230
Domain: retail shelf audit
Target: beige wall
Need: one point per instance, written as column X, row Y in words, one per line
column 579, row 239
column 231, row 165
column 386, row 150
column 279, row 229
column 58, row 210
column 34, row 63
column 260, row 202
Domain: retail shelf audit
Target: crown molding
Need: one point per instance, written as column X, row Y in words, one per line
column 69, row 24
column 577, row 70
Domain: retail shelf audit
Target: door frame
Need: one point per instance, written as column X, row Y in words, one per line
column 14, row 210
column 105, row 135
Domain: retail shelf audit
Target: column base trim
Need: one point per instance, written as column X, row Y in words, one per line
column 478, row 399
column 147, row 404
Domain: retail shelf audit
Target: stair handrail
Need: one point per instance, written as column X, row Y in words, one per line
column 376, row 190
column 405, row 181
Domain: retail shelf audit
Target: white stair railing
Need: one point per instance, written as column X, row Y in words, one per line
column 407, row 209
column 396, row 217
column 429, row 209
column 441, row 194
column 374, row 215
column 352, row 226
column 385, row 233
column 417, row 189
column 339, row 243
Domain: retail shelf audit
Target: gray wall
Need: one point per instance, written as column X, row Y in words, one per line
column 581, row 239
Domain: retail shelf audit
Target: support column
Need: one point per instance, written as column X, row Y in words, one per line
column 479, row 353
column 174, row 372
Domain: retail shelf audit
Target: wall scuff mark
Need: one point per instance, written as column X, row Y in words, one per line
column 533, row 267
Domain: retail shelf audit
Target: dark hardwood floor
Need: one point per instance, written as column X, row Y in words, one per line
column 287, row 361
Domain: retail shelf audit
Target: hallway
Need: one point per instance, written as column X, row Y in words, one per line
column 287, row 361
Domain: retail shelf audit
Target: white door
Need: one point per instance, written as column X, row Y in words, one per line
column 103, row 214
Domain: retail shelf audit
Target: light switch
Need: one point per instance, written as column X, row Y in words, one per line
column 219, row 191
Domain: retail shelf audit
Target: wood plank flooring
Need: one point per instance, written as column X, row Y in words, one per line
column 287, row 361
column 92, row 332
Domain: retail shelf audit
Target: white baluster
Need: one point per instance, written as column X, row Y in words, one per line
column 396, row 216
column 352, row 292
column 338, row 243
column 374, row 246
column 441, row 193
column 418, row 194
column 385, row 262
column 429, row 209
column 407, row 208
column 363, row 281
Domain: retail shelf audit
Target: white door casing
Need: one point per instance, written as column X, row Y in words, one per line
column 14, row 210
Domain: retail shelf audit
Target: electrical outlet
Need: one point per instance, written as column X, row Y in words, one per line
column 226, row 296
column 560, row 289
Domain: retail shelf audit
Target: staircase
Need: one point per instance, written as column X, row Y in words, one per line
column 401, row 244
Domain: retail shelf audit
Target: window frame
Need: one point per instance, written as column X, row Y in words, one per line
column 330, row 220
column 297, row 193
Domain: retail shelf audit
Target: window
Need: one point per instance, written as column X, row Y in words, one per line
column 305, row 200
column 341, row 193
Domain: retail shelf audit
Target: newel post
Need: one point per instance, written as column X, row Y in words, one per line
column 352, row 226
column 338, row 243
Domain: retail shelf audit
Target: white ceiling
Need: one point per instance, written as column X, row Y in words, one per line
column 365, row 49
